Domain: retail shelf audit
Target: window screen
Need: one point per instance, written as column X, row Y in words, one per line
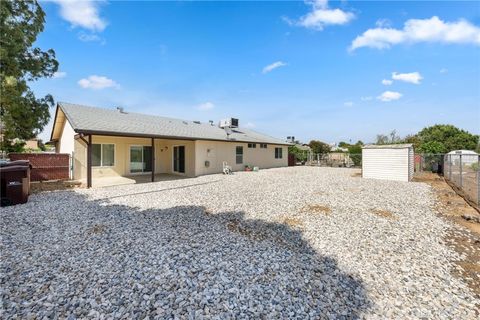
column 103, row 155
column 239, row 155
column 108, row 155
column 96, row 155
column 278, row 153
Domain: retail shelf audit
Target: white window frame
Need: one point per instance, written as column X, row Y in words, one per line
column 263, row 146
column 129, row 157
column 101, row 155
column 278, row 155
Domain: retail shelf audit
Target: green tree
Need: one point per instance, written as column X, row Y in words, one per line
column 22, row 114
column 433, row 147
column 443, row 138
column 319, row 147
column 355, row 152
column 300, row 155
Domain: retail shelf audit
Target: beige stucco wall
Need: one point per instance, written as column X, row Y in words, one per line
column 66, row 142
column 216, row 152
column 163, row 156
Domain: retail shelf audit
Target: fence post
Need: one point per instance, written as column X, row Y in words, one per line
column 478, row 180
column 460, row 166
column 450, row 167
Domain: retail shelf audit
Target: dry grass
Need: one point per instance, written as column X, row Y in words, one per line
column 316, row 208
column 41, row 186
column 293, row 222
column 383, row 213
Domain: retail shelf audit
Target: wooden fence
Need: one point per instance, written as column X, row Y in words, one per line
column 46, row 166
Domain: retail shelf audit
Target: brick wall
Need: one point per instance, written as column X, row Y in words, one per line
column 46, row 166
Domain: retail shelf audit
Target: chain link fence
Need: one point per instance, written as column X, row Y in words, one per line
column 334, row 159
column 463, row 171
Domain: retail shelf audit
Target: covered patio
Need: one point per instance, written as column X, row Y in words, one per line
column 124, row 180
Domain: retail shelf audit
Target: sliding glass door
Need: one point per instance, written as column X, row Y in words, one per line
column 179, row 159
column 140, row 159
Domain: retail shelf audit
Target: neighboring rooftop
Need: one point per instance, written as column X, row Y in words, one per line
column 93, row 120
column 388, row 146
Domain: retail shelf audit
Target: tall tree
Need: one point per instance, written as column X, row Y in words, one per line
column 443, row 138
column 23, row 115
column 319, row 146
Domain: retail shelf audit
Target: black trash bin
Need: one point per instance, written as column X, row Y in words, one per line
column 22, row 163
column 14, row 184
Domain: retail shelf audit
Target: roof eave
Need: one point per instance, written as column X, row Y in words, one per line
column 142, row 135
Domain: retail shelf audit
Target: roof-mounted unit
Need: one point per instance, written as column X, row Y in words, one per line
column 121, row 110
column 230, row 123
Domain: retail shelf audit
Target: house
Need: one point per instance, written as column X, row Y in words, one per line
column 109, row 143
column 32, row 144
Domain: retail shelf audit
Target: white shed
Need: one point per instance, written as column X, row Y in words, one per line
column 388, row 162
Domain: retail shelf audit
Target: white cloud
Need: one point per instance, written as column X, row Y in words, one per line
column 383, row 23
column 412, row 77
column 348, row 104
column 89, row 37
column 97, row 83
column 84, row 13
column 368, row 98
column 419, row 30
column 389, row 96
column 443, row 70
column 273, row 66
column 59, row 74
column 206, row 106
column 321, row 16
column 387, row 82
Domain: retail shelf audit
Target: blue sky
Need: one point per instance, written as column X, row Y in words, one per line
column 312, row 70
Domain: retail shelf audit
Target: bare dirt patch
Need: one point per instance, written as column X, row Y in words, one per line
column 97, row 229
column 466, row 240
column 356, row 175
column 384, row 214
column 316, row 208
column 42, row 186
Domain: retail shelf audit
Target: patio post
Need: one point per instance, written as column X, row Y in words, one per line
column 89, row 161
column 153, row 159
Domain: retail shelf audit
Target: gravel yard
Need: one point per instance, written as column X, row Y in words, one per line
column 302, row 242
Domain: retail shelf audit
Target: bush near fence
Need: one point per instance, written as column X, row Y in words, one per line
column 46, row 166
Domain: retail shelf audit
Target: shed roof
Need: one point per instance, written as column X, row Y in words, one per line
column 93, row 120
column 388, row 146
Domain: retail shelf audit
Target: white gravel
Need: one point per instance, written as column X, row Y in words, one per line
column 240, row 246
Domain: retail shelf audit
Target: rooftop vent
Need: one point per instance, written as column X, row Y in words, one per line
column 121, row 110
column 230, row 123
column 197, row 122
column 291, row 139
column 211, row 122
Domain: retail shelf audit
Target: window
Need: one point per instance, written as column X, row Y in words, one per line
column 239, row 155
column 263, row 145
column 252, row 145
column 103, row 155
column 278, row 153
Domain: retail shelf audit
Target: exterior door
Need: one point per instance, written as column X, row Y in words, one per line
column 179, row 159
column 140, row 159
